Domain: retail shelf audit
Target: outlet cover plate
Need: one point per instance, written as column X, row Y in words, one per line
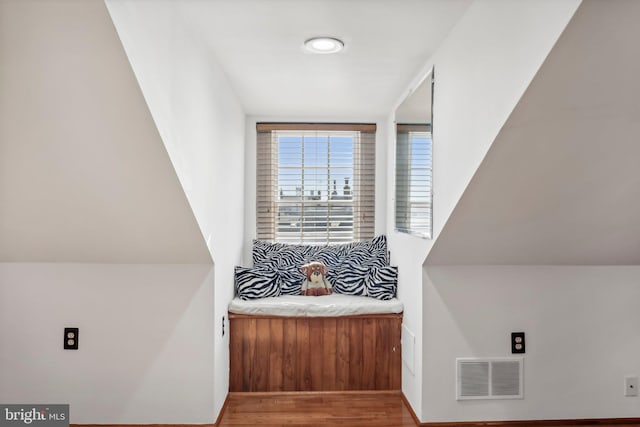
column 517, row 342
column 71, row 338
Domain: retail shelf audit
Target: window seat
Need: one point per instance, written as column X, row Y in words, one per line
column 280, row 340
column 307, row 306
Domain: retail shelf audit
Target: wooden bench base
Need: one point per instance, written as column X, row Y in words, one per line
column 270, row 353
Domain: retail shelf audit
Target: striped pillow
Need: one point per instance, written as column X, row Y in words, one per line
column 254, row 283
column 367, row 257
column 324, row 254
column 262, row 250
column 349, row 280
column 278, row 255
column 271, row 255
column 382, row 282
column 290, row 281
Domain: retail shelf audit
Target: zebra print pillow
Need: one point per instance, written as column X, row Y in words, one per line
column 278, row 255
column 367, row 257
column 324, row 254
column 349, row 280
column 372, row 253
column 254, row 283
column 261, row 250
column 283, row 256
column 382, row 282
column 291, row 281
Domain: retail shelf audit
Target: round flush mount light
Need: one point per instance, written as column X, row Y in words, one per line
column 323, row 45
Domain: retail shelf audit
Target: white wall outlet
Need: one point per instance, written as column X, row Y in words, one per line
column 631, row 386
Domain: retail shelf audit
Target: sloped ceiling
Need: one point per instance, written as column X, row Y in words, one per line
column 84, row 175
column 561, row 182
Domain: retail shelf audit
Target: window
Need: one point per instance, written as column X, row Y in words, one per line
column 413, row 179
column 315, row 183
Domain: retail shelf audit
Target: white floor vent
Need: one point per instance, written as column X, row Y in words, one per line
column 489, row 378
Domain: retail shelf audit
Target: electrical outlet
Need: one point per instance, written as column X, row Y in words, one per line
column 71, row 338
column 631, row 386
column 517, row 342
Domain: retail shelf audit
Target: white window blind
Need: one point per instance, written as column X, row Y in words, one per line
column 315, row 182
column 413, row 179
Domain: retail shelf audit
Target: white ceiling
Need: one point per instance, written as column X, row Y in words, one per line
column 259, row 45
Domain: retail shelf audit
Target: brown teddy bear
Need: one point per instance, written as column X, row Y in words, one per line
column 315, row 283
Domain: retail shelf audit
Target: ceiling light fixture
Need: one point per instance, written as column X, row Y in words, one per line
column 323, row 45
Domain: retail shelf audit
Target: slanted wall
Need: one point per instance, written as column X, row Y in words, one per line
column 560, row 185
column 201, row 123
column 481, row 70
column 98, row 231
column 84, row 176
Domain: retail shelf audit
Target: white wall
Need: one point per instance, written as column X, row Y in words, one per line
column 145, row 341
column 84, row 176
column 581, row 338
column 580, row 321
column 201, row 123
column 481, row 71
column 85, row 180
column 560, row 184
column 250, row 169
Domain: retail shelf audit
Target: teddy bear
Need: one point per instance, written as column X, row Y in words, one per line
column 315, row 282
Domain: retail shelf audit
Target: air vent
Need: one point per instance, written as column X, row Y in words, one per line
column 489, row 378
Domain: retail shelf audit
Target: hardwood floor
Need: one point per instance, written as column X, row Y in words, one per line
column 317, row 409
column 357, row 409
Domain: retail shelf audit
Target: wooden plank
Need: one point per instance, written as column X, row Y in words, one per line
column 248, row 353
column 395, row 364
column 383, row 350
column 276, row 351
column 289, row 361
column 369, row 331
column 261, row 361
column 303, row 372
column 315, row 355
column 342, row 354
column 329, row 354
column 235, row 354
column 355, row 354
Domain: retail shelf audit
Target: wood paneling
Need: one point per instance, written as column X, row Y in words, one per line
column 355, row 356
column 369, row 354
column 270, row 353
column 276, row 355
column 289, row 365
column 342, row 354
column 301, row 346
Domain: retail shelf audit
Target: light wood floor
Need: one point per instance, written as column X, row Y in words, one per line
column 316, row 409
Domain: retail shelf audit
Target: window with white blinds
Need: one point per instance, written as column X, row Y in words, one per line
column 315, row 182
column 413, row 179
